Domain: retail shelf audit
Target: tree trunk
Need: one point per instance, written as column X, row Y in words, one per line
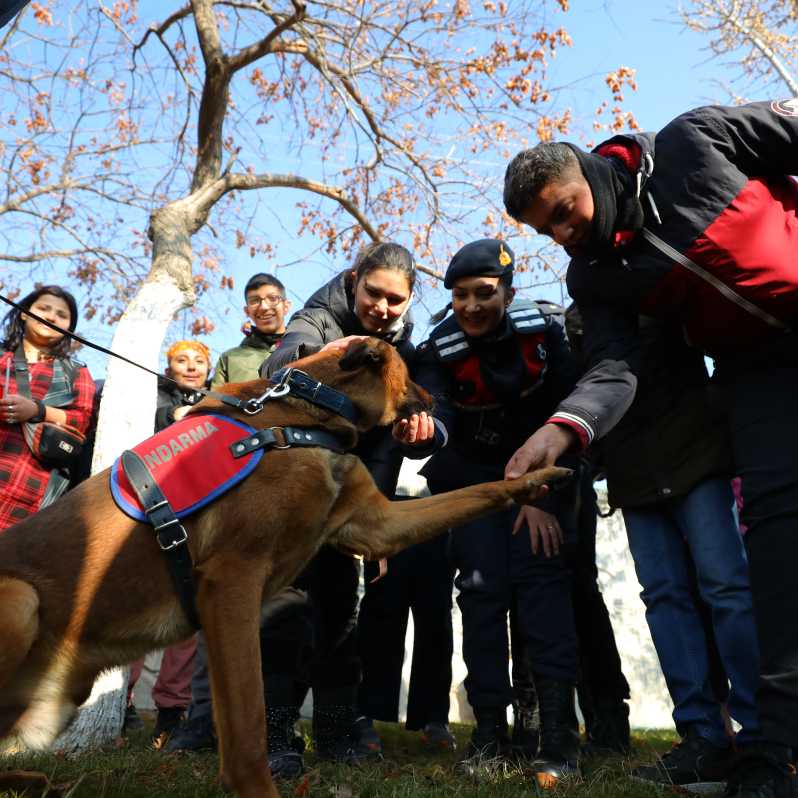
column 127, row 413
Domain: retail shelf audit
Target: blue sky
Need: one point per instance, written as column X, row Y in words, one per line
column 673, row 74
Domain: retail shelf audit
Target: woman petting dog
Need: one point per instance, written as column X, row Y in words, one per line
column 40, row 383
column 370, row 299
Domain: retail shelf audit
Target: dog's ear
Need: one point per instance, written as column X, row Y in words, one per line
column 362, row 353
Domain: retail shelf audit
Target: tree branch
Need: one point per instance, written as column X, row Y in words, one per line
column 215, row 94
column 159, row 30
column 249, row 54
column 747, row 32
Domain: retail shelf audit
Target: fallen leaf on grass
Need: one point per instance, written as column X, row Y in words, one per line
column 311, row 779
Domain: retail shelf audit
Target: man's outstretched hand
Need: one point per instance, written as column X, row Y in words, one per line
column 540, row 450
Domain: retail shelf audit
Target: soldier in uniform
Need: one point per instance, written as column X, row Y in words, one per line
column 497, row 369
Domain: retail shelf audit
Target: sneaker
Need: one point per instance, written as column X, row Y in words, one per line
column 194, row 734
column 169, row 718
column 759, row 774
column 437, row 735
column 693, row 763
column 286, row 764
column 132, row 721
column 366, row 743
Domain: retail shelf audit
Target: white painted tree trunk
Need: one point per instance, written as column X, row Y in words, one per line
column 126, row 417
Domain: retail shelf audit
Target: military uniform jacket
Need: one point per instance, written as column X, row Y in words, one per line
column 493, row 392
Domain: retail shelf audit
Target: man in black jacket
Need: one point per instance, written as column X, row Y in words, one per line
column 697, row 225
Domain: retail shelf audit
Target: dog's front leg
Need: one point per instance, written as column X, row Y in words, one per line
column 376, row 527
column 229, row 603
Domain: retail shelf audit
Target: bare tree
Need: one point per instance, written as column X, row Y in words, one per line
column 759, row 40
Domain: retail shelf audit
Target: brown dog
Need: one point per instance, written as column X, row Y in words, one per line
column 84, row 587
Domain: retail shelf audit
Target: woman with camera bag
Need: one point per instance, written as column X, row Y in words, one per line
column 46, row 400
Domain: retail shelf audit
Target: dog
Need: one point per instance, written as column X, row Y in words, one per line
column 84, row 587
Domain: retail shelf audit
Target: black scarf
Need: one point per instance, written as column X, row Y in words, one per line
column 259, row 340
column 616, row 206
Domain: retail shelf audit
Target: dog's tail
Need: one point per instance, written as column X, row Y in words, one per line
column 19, row 624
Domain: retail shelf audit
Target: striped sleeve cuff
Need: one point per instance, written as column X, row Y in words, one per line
column 585, row 432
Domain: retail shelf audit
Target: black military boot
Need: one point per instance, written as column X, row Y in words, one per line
column 285, row 761
column 526, row 724
column 558, row 757
column 608, row 730
column 489, row 743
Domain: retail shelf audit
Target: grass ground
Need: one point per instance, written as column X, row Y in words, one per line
column 132, row 769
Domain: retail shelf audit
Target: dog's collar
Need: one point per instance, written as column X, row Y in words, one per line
column 303, row 386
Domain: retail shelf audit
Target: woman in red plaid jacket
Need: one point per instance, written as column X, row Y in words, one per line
column 60, row 391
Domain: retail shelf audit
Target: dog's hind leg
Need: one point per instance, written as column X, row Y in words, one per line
column 19, row 624
column 229, row 603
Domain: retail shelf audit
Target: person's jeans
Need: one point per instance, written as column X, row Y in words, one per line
column 704, row 518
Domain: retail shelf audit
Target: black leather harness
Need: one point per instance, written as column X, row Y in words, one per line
column 170, row 534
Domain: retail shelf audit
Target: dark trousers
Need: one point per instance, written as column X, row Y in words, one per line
column 601, row 682
column 310, row 629
column 419, row 579
column 496, row 569
column 763, row 407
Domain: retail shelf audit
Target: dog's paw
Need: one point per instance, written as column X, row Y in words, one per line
column 536, row 484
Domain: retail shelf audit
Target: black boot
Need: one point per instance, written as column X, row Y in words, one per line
column 526, row 723
column 333, row 726
column 559, row 733
column 489, row 742
column 284, row 760
column 608, row 730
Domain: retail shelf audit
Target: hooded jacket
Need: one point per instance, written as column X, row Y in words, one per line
column 716, row 255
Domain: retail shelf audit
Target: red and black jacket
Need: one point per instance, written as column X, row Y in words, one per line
column 718, row 254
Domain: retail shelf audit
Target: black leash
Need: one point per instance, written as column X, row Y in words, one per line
column 288, row 380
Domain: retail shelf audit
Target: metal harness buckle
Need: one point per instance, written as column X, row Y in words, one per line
column 254, row 406
column 286, row 445
column 175, row 543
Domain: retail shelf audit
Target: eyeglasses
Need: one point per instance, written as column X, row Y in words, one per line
column 271, row 301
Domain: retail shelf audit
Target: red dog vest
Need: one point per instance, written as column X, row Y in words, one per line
column 191, row 462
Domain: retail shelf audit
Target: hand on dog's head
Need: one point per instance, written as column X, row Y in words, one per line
column 402, row 397
column 370, row 352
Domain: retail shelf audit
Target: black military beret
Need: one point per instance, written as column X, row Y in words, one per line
column 486, row 258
